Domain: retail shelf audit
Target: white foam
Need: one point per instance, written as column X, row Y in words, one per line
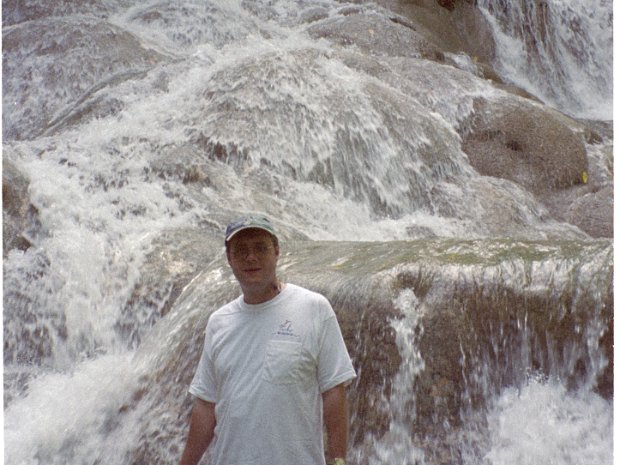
column 64, row 415
column 542, row 423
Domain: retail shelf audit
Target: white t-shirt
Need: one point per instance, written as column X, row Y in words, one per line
column 265, row 367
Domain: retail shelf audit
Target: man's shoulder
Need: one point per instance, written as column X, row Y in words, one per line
column 313, row 301
column 229, row 308
column 304, row 293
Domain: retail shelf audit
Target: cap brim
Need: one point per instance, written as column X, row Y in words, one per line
column 243, row 228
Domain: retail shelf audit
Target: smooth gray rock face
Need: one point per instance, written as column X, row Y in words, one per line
column 52, row 65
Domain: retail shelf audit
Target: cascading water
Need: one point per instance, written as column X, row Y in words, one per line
column 396, row 446
column 559, row 50
column 139, row 130
column 541, row 423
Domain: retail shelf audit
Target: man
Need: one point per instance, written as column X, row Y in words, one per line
column 273, row 368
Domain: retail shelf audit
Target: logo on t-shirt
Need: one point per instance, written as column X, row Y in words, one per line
column 286, row 329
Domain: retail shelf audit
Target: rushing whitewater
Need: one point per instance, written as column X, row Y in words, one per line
column 475, row 302
column 558, row 50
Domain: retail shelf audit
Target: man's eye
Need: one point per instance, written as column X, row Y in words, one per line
column 258, row 250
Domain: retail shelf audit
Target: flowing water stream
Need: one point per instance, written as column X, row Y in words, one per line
column 143, row 127
column 558, row 50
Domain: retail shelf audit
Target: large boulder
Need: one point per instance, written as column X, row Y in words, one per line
column 376, row 34
column 454, row 27
column 529, row 144
column 50, row 66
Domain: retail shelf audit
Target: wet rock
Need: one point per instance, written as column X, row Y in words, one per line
column 594, row 213
column 313, row 14
column 377, row 34
column 531, row 145
column 447, row 4
column 18, row 215
column 18, row 11
column 186, row 24
column 176, row 259
column 51, row 66
column 462, row 29
column 545, row 152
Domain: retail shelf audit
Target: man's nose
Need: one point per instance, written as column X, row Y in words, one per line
column 251, row 254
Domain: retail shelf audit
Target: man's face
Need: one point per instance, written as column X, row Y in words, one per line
column 253, row 259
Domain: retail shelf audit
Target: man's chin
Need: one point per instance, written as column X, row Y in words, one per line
column 255, row 283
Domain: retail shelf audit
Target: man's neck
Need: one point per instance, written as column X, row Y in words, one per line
column 256, row 296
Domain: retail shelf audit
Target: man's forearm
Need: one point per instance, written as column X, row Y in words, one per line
column 201, row 430
column 336, row 418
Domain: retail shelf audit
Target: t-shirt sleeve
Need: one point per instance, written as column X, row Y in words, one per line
column 203, row 385
column 335, row 365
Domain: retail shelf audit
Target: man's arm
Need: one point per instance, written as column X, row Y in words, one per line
column 201, row 429
column 336, row 418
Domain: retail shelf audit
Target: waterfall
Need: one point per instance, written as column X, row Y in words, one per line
column 558, row 50
column 396, row 444
column 133, row 132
